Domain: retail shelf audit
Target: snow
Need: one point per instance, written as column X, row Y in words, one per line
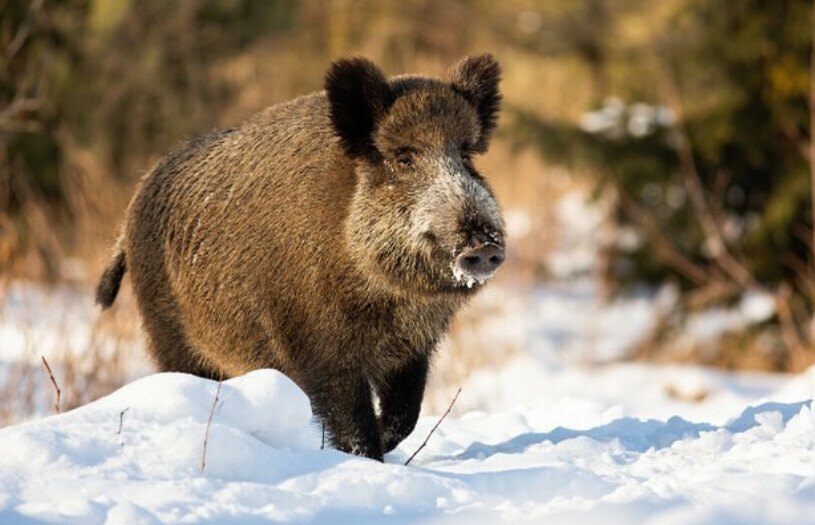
column 59, row 323
column 33, row 319
column 578, row 224
column 755, row 307
column 465, row 278
column 615, row 119
column 607, row 448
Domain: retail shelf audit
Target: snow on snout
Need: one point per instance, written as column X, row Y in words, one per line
column 465, row 278
column 441, row 204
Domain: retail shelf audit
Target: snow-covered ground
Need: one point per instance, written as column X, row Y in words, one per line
column 607, row 449
column 557, row 433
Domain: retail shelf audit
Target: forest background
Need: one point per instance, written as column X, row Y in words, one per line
column 686, row 122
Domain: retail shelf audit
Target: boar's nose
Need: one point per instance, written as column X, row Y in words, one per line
column 481, row 262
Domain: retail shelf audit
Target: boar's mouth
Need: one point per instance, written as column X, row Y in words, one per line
column 435, row 268
column 471, row 264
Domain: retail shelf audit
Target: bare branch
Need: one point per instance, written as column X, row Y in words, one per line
column 789, row 330
column 54, row 382
column 720, row 251
column 13, row 117
column 687, row 268
column 434, row 428
column 721, row 183
column 9, row 121
column 803, row 273
column 24, row 30
column 714, row 291
column 209, row 421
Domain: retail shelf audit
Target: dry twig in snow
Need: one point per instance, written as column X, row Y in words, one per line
column 449, row 408
column 209, row 422
column 54, row 382
column 121, row 419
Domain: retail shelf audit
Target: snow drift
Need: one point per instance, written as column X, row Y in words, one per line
column 134, row 457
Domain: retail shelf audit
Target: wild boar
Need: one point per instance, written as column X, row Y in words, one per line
column 331, row 237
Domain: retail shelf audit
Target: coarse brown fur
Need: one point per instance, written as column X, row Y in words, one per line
column 318, row 238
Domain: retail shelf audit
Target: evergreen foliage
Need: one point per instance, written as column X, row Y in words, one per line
column 736, row 79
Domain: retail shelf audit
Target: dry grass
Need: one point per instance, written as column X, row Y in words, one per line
column 91, row 355
column 760, row 350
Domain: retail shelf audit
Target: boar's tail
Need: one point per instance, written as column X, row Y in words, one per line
column 111, row 280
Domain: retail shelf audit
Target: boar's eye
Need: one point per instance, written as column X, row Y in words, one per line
column 404, row 159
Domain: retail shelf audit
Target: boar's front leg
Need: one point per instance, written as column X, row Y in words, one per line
column 343, row 403
column 400, row 398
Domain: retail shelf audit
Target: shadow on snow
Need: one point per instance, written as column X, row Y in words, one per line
column 635, row 435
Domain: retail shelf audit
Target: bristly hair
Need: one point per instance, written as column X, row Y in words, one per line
column 359, row 96
column 476, row 79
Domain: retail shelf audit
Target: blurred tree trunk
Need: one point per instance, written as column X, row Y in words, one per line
column 812, row 128
column 812, row 149
column 594, row 51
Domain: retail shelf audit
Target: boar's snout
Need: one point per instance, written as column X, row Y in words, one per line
column 478, row 263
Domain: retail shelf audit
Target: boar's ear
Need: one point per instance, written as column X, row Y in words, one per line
column 358, row 95
column 476, row 79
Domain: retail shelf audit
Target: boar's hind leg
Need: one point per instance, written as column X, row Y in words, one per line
column 167, row 344
column 400, row 399
column 344, row 405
